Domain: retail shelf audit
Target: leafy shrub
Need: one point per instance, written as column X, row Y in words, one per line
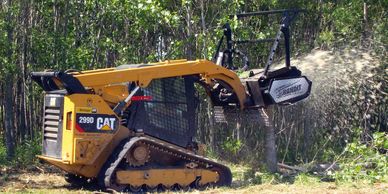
column 232, row 145
column 3, row 153
column 251, row 177
column 326, row 38
column 362, row 162
column 25, row 154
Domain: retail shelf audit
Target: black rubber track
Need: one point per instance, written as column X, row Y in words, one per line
column 108, row 169
column 106, row 175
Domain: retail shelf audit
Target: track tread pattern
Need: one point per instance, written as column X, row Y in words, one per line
column 106, row 172
column 105, row 176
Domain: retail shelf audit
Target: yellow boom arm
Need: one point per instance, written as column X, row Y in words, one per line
column 207, row 70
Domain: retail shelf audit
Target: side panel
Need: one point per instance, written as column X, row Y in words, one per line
column 84, row 151
column 83, row 142
column 90, row 133
column 68, row 132
column 52, row 125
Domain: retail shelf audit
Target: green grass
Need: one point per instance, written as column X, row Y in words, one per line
column 12, row 181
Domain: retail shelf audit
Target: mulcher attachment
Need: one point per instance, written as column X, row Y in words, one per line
column 283, row 86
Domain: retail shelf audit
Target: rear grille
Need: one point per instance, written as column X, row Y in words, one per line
column 51, row 123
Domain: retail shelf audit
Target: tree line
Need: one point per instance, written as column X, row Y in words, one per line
column 37, row 35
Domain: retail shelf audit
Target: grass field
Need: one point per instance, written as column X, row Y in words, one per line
column 52, row 181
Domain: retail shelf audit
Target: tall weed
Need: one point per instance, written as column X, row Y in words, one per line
column 365, row 163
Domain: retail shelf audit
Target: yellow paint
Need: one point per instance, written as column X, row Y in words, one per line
column 68, row 135
column 114, row 93
column 207, row 70
column 167, row 177
column 85, row 153
column 84, row 109
column 106, row 127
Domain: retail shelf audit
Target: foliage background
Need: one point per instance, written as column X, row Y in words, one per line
column 87, row 34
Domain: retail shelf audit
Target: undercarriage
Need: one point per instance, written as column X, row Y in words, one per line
column 144, row 163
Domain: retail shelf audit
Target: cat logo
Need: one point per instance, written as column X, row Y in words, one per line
column 105, row 123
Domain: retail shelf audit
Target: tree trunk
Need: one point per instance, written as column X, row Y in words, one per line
column 211, row 128
column 190, row 49
column 8, row 117
column 1, row 107
column 366, row 30
column 306, row 135
column 23, row 67
column 270, row 140
column 204, row 31
column 18, row 106
column 8, row 91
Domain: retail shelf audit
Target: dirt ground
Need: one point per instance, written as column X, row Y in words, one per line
column 53, row 182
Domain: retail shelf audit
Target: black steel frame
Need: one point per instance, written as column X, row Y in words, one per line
column 288, row 16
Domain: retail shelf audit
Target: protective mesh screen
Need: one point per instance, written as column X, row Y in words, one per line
column 171, row 112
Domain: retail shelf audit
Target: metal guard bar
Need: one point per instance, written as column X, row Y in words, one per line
column 46, row 81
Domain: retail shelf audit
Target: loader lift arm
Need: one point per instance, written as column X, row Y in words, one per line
column 208, row 72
